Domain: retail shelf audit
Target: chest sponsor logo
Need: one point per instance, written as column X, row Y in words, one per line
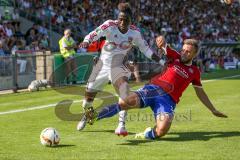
column 109, row 46
column 180, row 71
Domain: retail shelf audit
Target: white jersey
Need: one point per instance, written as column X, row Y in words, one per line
column 117, row 44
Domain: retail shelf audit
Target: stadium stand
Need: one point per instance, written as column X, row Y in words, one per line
column 177, row 20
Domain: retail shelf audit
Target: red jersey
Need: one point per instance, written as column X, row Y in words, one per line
column 177, row 76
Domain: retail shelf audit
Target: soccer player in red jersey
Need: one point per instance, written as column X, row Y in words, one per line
column 164, row 90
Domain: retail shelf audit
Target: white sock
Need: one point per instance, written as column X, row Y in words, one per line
column 124, row 92
column 122, row 118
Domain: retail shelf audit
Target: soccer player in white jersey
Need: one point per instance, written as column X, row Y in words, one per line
column 121, row 36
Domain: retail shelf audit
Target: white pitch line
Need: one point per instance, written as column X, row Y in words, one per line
column 28, row 109
column 78, row 101
column 211, row 80
column 43, row 106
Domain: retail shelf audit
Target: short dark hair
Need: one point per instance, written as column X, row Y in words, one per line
column 192, row 42
column 125, row 8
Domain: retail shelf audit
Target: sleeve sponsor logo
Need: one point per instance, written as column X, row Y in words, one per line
column 93, row 35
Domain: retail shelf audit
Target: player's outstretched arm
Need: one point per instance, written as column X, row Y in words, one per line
column 97, row 33
column 166, row 49
column 161, row 44
column 205, row 100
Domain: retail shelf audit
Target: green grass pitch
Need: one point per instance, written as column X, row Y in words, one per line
column 195, row 132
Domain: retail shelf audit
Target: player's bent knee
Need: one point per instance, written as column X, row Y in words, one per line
column 123, row 105
column 127, row 102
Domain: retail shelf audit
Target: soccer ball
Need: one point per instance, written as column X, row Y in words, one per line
column 49, row 137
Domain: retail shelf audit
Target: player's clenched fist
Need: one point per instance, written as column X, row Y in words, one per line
column 160, row 41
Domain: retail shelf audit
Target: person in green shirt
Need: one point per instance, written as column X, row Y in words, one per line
column 67, row 45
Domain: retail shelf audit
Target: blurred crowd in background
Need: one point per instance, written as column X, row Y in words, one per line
column 12, row 39
column 205, row 20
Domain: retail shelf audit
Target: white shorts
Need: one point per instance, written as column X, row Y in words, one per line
column 101, row 75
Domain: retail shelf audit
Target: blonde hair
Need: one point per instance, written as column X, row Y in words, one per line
column 192, row 42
